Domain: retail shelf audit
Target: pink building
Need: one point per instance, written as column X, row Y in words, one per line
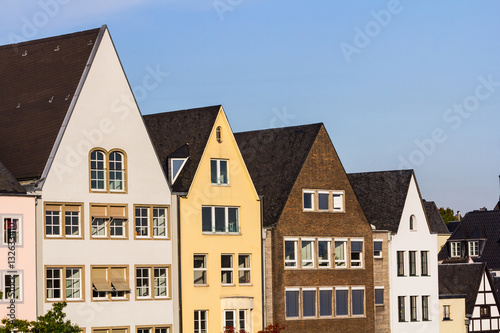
column 17, row 254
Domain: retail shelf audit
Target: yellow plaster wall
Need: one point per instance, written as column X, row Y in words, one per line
column 457, row 316
column 240, row 193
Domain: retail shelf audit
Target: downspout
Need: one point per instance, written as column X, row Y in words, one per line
column 179, row 258
column 263, row 261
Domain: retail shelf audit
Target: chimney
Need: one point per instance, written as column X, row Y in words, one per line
column 458, row 216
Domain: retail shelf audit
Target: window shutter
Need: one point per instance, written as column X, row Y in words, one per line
column 117, row 212
column 377, row 246
column 356, row 246
column 98, row 211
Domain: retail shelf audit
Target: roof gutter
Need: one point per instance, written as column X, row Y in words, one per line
column 71, row 108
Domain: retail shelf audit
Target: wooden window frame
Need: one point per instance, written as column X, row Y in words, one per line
column 151, row 296
column 63, row 283
column 62, row 219
column 107, row 180
column 153, row 328
column 150, row 227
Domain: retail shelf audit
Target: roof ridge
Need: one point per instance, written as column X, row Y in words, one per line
column 184, row 110
column 282, row 128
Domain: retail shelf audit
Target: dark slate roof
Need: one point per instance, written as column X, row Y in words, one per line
column 382, row 196
column 180, row 134
column 274, row 158
column 452, row 225
column 8, row 183
column 479, row 224
column 37, row 82
column 434, row 218
column 461, row 279
column 497, row 207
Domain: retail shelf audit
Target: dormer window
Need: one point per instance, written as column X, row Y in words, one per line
column 455, row 249
column 176, row 165
column 218, row 172
column 413, row 223
column 474, row 248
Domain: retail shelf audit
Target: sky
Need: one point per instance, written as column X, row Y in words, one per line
column 408, row 84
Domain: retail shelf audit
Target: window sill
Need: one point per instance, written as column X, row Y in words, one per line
column 228, row 285
column 245, row 284
column 221, row 233
column 380, row 305
column 201, row 285
column 222, row 185
column 447, row 319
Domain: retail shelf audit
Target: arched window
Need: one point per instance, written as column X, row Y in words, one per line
column 413, row 222
column 97, row 170
column 116, row 171
column 218, row 134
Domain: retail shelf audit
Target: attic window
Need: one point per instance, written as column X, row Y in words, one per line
column 218, row 134
column 176, row 165
column 413, row 223
column 473, row 248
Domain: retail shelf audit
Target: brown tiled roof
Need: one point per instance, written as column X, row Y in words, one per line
column 382, row 196
column 435, row 219
column 462, row 279
column 274, row 158
column 37, row 82
column 8, row 183
column 182, row 132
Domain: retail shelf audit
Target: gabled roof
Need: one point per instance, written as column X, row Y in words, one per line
column 8, row 183
column 479, row 224
column 382, row 196
column 185, row 133
column 274, row 158
column 435, row 219
column 462, row 279
column 453, row 225
column 38, row 80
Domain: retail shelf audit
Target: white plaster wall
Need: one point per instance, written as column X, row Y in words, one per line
column 106, row 116
column 419, row 240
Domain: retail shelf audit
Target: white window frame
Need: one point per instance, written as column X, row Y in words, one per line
column 329, row 251
column 141, row 218
column 203, row 269
column 360, row 260
column 199, row 312
column 378, row 241
column 342, row 205
column 104, row 170
column 472, row 248
column 311, row 261
column 344, row 261
column 19, row 273
column 142, row 278
column 226, row 220
column 61, row 283
column 327, row 193
column 172, row 160
column 156, row 286
column 52, row 235
column 158, row 226
column 246, row 326
column 295, row 261
column 228, row 269
column 79, row 224
column 312, row 200
column 218, row 162
column 98, row 227
column 456, row 249
column 5, row 240
column 245, row 269
column 235, row 324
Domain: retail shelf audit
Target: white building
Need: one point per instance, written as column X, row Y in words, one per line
column 391, row 201
column 104, row 236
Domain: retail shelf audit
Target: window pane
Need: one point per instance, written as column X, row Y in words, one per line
column 72, row 222
column 307, row 255
column 325, row 302
column 413, row 307
column 377, row 246
column 229, row 318
column 213, row 171
column 323, row 253
column 206, row 213
column 308, row 197
column 379, row 296
column 242, row 319
column 223, row 179
column 52, row 226
column 292, row 303
column 200, row 269
column 226, row 269
column 340, row 254
column 323, row 201
column 341, row 302
column 413, row 263
column 401, row 308
column 159, row 222
column 73, row 283
column 97, row 174
column 176, row 167
column 337, row 202
column 142, row 280
column 309, row 303
column 141, row 222
column 233, row 220
column 358, row 297
column 423, row 262
column 160, row 282
column 220, row 219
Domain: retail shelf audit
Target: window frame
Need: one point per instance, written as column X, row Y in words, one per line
column 413, row 308
column 361, row 257
column 150, row 209
column 107, row 170
column 455, row 249
column 152, row 329
column 413, row 222
column 402, row 309
column 295, row 291
column 203, row 269
column 425, row 308
column 337, row 261
column 3, row 275
column 109, row 294
column 353, row 299
column 412, row 256
column 424, row 263
column 379, row 255
column 213, row 221
column 383, row 296
column 173, row 177
column 315, row 207
column 19, row 229
column 110, row 329
column 328, row 261
column 473, row 247
column 347, row 303
column 294, row 261
column 245, row 269
column 229, row 270
column 315, row 300
column 446, row 312
column 311, row 193
column 63, row 283
column 400, row 259
column 310, row 261
column 63, row 209
column 152, row 284
column 121, row 171
column 200, row 321
column 108, row 219
column 217, row 171
column 328, row 289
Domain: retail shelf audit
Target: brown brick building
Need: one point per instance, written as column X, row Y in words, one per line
column 318, row 243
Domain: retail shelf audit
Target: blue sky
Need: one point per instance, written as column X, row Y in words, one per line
column 398, row 84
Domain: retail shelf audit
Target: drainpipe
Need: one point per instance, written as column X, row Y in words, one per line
column 179, row 258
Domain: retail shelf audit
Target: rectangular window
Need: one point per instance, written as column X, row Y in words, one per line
column 323, row 200
column 12, row 283
column 109, row 221
column 243, row 320
column 325, row 302
column 229, row 319
column 220, row 219
column 341, row 302
column 425, row 308
column 401, row 308
column 290, row 253
column 338, row 201
column 377, row 248
column 308, row 200
column 308, row 302
column 64, row 283
column 356, row 253
column 424, row 255
column 142, row 282
column 474, row 248
column 484, row 311
column 110, row 282
column 52, row 222
column 292, row 303
column 413, row 308
column 155, row 329
column 200, row 321
column 218, row 172
column 151, row 222
column 63, row 220
column 358, row 301
column 226, row 264
column 200, row 269
column 413, row 263
column 455, row 249
column 307, row 253
column 401, row 263
column 340, row 250
column 110, row 330
column 244, row 269
column 324, row 253
column 151, row 282
column 12, row 230
column 379, row 295
column 160, row 282
column 446, row 312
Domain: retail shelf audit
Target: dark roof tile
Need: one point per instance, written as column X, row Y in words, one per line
column 8, row 183
column 435, row 219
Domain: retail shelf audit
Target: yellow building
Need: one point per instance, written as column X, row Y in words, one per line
column 219, row 228
column 453, row 316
